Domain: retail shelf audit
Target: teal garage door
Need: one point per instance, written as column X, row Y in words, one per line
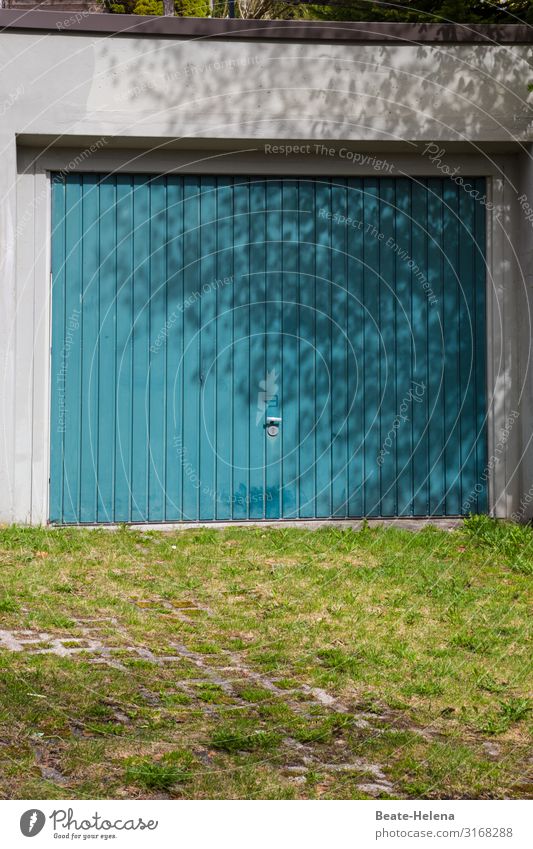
column 252, row 348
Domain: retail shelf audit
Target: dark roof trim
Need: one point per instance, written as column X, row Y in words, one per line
column 133, row 25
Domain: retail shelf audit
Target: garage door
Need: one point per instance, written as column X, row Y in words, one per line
column 249, row 348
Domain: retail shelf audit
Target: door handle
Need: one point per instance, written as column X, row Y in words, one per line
column 272, row 425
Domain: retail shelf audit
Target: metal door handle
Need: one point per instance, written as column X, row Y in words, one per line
column 272, row 425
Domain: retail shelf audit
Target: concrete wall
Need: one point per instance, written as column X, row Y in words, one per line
column 90, row 102
column 171, row 87
column 85, row 84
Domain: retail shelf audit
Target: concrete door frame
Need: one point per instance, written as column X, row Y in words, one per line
column 33, row 312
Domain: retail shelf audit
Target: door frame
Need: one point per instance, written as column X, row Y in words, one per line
column 34, row 273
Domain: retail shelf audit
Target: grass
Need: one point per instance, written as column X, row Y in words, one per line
column 242, row 736
column 302, row 662
column 508, row 540
column 173, row 768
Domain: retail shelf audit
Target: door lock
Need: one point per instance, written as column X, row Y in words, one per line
column 272, row 425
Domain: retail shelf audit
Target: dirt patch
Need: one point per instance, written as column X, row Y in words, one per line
column 48, row 759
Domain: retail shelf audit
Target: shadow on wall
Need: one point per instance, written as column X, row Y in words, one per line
column 352, row 308
column 349, row 324
column 338, row 91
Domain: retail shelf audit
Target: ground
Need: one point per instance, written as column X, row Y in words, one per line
column 266, row 663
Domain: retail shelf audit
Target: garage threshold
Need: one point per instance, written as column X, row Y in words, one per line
column 407, row 524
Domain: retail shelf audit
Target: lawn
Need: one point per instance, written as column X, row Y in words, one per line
column 266, row 663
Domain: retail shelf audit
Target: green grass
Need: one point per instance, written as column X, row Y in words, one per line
column 325, row 649
column 511, row 541
column 242, row 736
column 173, row 768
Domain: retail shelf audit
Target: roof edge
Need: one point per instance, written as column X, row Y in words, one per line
column 224, row 28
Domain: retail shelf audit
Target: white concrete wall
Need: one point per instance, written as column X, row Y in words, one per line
column 523, row 236
column 85, row 102
column 85, row 84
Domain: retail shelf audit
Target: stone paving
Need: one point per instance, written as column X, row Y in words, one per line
column 94, row 646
